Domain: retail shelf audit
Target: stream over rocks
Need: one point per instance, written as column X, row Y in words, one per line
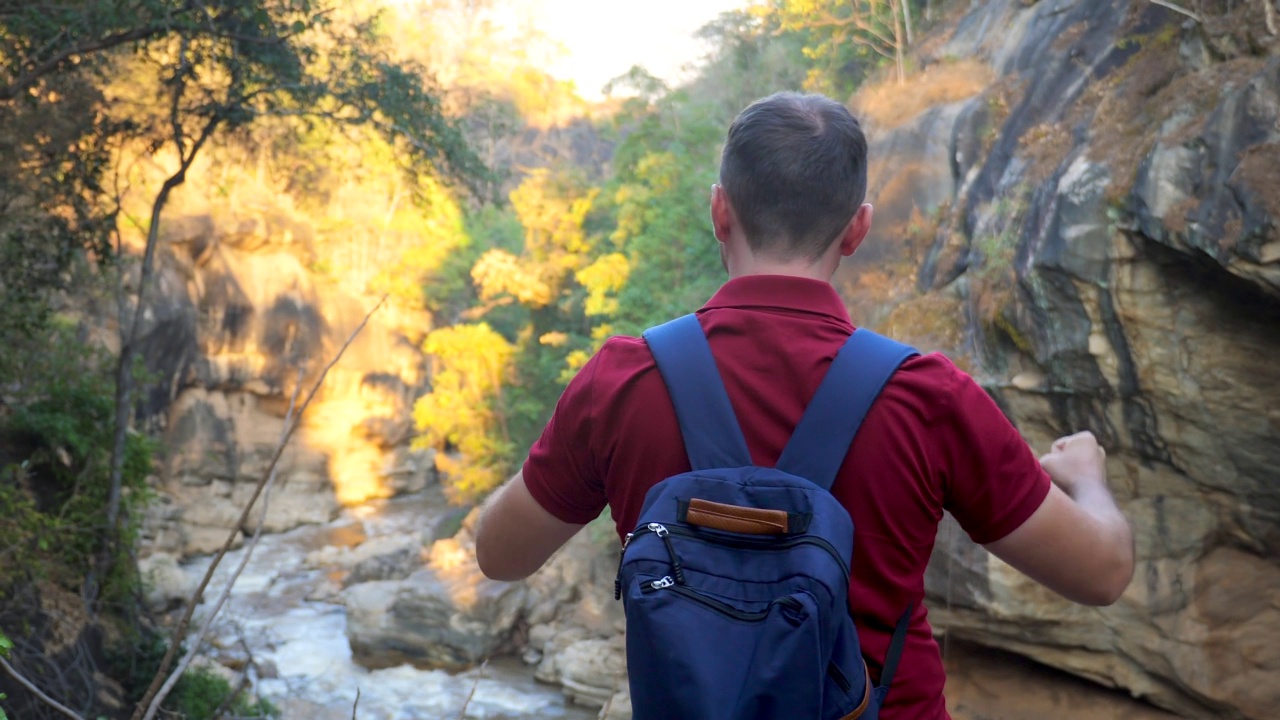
column 287, row 614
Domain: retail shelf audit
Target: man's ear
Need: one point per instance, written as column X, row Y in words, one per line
column 722, row 216
column 856, row 231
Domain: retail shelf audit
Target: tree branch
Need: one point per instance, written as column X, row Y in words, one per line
column 1178, row 9
column 29, row 78
column 195, row 644
column 181, row 627
column 467, row 703
column 13, row 672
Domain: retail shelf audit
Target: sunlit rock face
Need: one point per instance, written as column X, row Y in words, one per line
column 237, row 321
column 1100, row 217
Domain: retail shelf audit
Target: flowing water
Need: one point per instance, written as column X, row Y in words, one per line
column 286, row 610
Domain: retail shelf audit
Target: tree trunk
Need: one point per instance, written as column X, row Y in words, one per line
column 124, row 369
column 895, row 7
column 906, row 20
column 124, row 380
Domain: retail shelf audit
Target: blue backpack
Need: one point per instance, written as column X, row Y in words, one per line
column 736, row 578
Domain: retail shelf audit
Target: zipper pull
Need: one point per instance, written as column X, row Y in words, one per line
column 662, row 582
column 676, row 568
column 617, row 579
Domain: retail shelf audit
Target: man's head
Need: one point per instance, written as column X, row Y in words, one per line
column 794, row 173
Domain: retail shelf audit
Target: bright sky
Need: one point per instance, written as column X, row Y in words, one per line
column 604, row 38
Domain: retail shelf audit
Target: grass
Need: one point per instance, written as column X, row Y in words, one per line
column 884, row 104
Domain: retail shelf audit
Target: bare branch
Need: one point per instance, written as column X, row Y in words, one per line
column 13, row 672
column 355, row 704
column 198, row 641
column 181, row 627
column 243, row 681
column 462, row 714
column 179, row 88
column 1178, row 9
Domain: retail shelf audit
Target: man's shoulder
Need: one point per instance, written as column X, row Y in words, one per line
column 623, row 352
column 933, row 371
column 618, row 361
column 928, row 383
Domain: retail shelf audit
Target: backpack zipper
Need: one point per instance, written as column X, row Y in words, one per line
column 661, row 531
column 669, row 584
column 744, row 543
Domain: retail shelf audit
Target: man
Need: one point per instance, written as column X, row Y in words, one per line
column 788, row 207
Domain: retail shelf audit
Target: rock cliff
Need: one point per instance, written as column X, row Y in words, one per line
column 1099, row 218
column 239, row 316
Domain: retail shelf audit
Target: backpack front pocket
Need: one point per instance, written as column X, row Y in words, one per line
column 696, row 656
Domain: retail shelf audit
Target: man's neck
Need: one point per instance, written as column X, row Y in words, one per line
column 744, row 267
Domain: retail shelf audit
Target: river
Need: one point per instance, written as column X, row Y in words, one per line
column 286, row 610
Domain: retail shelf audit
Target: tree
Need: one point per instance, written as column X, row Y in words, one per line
column 881, row 28
column 183, row 72
column 461, row 411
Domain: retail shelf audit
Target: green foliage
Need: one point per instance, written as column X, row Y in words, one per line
column 196, row 695
column 200, row 692
column 844, row 41
column 54, row 485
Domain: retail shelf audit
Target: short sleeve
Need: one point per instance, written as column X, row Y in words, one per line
column 560, row 470
column 994, row 480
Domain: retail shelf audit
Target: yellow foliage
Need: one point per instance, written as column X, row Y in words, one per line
column 466, row 479
column 602, row 278
column 471, row 364
column 498, row 272
column 555, row 245
column 551, row 215
column 573, row 363
column 554, row 339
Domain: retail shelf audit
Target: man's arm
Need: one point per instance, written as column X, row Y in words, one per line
column 515, row 535
column 1077, row 543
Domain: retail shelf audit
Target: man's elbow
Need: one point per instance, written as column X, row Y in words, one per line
column 1114, row 577
column 496, row 565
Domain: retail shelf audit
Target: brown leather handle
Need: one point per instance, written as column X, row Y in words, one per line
column 738, row 519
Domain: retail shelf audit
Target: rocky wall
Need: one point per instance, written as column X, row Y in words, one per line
column 239, row 320
column 1100, row 219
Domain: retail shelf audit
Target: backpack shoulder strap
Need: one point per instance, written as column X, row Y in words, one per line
column 853, row 382
column 712, row 436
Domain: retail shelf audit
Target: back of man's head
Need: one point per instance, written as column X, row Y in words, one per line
column 795, row 170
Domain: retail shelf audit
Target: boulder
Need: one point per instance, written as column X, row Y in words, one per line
column 446, row 615
column 593, row 671
column 165, row 584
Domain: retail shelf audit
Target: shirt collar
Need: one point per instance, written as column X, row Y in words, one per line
column 781, row 292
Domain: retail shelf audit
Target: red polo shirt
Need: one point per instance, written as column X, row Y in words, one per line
column 934, row 440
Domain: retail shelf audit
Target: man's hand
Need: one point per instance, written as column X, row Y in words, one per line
column 516, row 535
column 1077, row 543
column 1076, row 459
